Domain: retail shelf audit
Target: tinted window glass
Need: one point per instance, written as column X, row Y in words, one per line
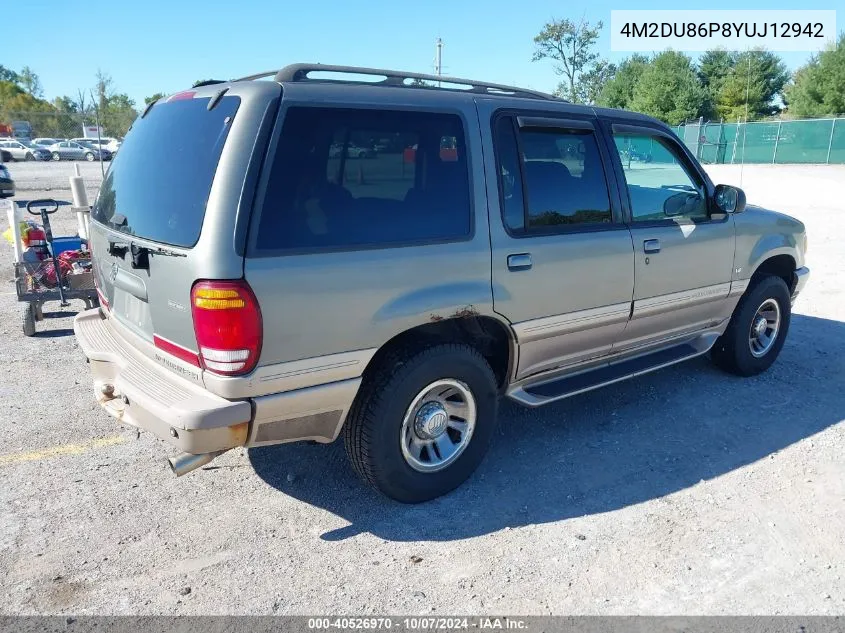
column 344, row 178
column 659, row 187
column 564, row 178
column 510, row 181
column 158, row 184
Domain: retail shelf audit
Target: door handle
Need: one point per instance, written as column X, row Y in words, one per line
column 651, row 246
column 519, row 261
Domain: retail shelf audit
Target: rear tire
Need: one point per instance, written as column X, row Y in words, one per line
column 392, row 404
column 89, row 157
column 757, row 330
column 28, row 319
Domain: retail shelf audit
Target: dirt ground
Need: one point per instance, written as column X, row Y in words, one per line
column 686, row 491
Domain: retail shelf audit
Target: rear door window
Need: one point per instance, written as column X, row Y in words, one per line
column 159, row 182
column 348, row 178
column 551, row 180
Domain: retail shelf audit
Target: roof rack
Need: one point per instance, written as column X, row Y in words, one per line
column 300, row 72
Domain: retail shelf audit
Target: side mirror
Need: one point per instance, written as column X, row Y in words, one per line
column 729, row 199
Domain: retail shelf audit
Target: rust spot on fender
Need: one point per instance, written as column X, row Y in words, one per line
column 466, row 313
column 238, row 433
column 461, row 313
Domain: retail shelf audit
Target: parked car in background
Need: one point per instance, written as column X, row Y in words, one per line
column 106, row 154
column 46, row 142
column 24, row 150
column 7, row 185
column 352, row 151
column 106, row 142
column 253, row 293
column 71, row 150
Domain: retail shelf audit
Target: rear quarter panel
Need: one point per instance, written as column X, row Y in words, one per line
column 324, row 303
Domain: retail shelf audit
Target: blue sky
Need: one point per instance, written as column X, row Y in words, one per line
column 153, row 46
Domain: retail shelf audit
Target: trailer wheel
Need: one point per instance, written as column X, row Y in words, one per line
column 28, row 319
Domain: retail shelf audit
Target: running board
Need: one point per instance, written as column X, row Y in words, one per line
column 549, row 390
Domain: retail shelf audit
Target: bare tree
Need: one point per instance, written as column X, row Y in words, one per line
column 570, row 46
column 103, row 89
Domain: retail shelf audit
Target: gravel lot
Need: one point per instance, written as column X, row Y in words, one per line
column 686, row 491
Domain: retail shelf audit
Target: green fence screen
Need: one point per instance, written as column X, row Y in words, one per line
column 774, row 142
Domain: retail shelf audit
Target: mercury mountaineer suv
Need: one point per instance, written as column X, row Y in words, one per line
column 264, row 280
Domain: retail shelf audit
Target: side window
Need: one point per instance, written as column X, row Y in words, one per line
column 659, row 187
column 550, row 178
column 345, row 178
column 510, row 179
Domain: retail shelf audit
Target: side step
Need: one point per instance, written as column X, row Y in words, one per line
column 549, row 390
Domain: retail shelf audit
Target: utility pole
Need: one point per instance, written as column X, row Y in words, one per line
column 438, row 58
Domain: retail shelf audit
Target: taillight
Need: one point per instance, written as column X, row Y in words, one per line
column 227, row 322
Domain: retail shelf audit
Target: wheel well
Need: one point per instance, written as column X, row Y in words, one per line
column 782, row 266
column 489, row 336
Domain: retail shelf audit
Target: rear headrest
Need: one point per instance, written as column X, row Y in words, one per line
column 544, row 172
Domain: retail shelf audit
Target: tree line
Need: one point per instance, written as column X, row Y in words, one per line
column 720, row 85
column 21, row 94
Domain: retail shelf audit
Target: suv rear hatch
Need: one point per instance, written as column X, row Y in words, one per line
column 170, row 210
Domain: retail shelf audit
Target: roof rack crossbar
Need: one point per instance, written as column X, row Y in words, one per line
column 299, row 72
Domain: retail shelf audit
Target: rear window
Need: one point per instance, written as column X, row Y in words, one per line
column 348, row 178
column 158, row 185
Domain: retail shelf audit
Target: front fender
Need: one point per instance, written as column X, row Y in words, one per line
column 761, row 235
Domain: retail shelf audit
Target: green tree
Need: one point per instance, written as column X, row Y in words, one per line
column 571, row 47
column 618, row 92
column 118, row 115
column 7, row 74
column 153, row 97
column 669, row 89
column 30, row 82
column 17, row 104
column 756, row 79
column 592, row 82
column 65, row 104
column 818, row 88
column 713, row 68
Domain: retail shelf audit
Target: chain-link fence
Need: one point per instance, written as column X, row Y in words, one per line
column 62, row 136
column 818, row 141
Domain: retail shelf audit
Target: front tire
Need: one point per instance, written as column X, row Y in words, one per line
column 29, row 157
column 89, row 157
column 56, row 156
column 423, row 421
column 757, row 329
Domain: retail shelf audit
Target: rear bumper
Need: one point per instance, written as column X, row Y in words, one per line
column 801, row 277
column 134, row 389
